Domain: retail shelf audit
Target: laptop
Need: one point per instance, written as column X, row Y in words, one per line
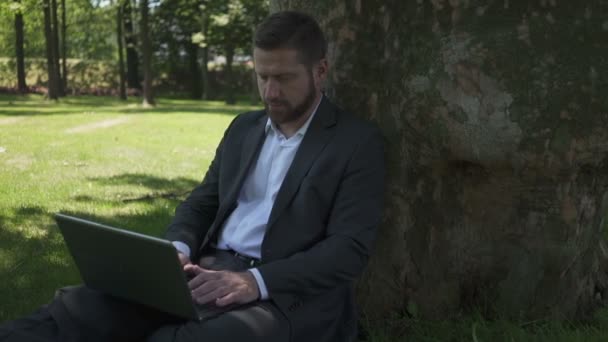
column 131, row 266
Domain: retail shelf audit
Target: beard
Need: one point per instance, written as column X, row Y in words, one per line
column 291, row 112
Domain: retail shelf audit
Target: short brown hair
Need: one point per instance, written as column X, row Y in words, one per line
column 294, row 30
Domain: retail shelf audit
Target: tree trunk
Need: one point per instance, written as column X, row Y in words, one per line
column 495, row 117
column 255, row 94
column 148, row 98
column 205, row 53
column 48, row 35
column 55, row 39
column 21, row 84
column 205, row 74
column 122, row 91
column 64, row 47
column 131, row 41
column 195, row 85
column 228, row 74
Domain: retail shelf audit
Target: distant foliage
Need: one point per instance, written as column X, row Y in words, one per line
column 179, row 31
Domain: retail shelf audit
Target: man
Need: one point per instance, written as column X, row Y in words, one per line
column 283, row 221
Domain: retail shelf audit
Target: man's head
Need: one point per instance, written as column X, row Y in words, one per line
column 290, row 63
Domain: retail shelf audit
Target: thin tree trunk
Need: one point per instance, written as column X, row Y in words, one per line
column 131, row 42
column 64, row 47
column 52, row 80
column 254, row 92
column 21, row 84
column 195, row 86
column 230, row 96
column 205, row 52
column 55, row 40
column 205, row 74
column 148, row 98
column 255, row 95
column 121, row 63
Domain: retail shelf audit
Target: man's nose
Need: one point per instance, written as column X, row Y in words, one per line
column 272, row 89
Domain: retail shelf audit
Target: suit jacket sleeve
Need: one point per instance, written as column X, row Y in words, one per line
column 342, row 253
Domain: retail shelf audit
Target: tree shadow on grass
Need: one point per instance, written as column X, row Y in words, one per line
column 32, row 107
column 156, row 188
column 161, row 197
column 181, row 109
column 35, row 260
column 151, row 182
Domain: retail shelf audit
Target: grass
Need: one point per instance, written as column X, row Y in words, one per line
column 474, row 328
column 61, row 157
column 117, row 163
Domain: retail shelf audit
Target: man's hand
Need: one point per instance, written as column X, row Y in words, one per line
column 183, row 259
column 222, row 287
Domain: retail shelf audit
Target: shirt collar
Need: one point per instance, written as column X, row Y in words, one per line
column 271, row 125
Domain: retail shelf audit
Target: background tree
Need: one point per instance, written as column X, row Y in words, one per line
column 89, row 29
column 53, row 82
column 256, row 11
column 495, row 118
column 64, row 47
column 146, row 52
column 122, row 92
column 199, row 40
column 19, row 51
column 173, row 26
column 56, row 52
column 133, row 80
column 230, row 31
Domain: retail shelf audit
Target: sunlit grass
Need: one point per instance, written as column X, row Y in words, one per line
column 66, row 157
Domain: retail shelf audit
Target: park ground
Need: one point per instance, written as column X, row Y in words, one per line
column 120, row 164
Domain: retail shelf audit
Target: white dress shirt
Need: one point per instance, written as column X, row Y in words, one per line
column 244, row 229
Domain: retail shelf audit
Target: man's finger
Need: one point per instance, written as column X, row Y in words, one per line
column 211, row 296
column 206, row 287
column 192, row 268
column 228, row 299
column 183, row 259
column 201, row 276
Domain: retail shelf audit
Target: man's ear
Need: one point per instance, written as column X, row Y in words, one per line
column 321, row 70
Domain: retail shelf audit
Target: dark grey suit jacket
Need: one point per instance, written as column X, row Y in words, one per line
column 323, row 222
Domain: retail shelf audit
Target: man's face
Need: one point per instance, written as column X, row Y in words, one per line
column 287, row 87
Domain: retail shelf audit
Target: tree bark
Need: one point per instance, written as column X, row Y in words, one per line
column 21, row 84
column 52, row 80
column 122, row 91
column 131, row 42
column 495, row 120
column 64, row 47
column 148, row 98
column 55, row 40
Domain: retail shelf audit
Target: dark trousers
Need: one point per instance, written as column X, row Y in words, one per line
column 82, row 314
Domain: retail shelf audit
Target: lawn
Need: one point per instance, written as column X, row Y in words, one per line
column 117, row 163
column 93, row 157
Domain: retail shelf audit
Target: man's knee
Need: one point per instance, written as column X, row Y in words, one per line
column 164, row 334
column 193, row 332
column 253, row 324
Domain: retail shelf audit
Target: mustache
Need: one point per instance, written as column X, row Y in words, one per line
column 276, row 102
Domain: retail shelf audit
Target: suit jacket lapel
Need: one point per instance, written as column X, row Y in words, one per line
column 252, row 145
column 251, row 148
column 318, row 134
